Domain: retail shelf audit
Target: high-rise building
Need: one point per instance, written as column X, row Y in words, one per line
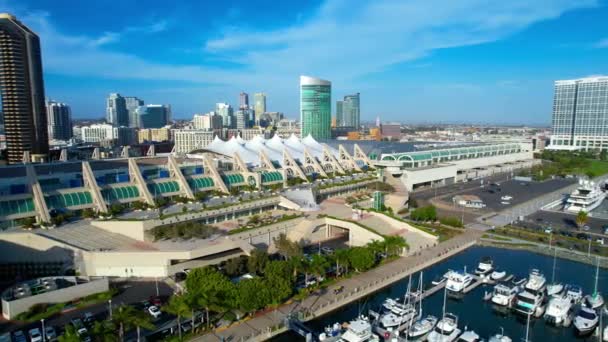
column 153, row 135
column 351, row 112
column 580, row 114
column 226, row 112
column 132, row 102
column 116, row 110
column 59, row 118
column 207, row 121
column 315, row 107
column 243, row 100
column 152, row 116
column 259, row 104
column 108, row 135
column 243, row 119
column 188, row 140
column 22, row 89
column 339, row 113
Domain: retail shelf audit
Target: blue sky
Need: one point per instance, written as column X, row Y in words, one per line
column 412, row 60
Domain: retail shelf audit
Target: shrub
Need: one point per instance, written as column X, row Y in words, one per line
column 428, row 213
column 451, row 221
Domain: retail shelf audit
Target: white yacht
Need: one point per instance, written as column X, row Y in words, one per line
column 458, row 281
column 422, row 327
column 442, row 279
column 498, row 274
column 399, row 314
column 485, row 267
column 499, row 338
column 359, row 330
column 559, row 311
column 469, row 336
column 504, row 294
column 555, row 289
column 331, row 333
column 536, row 282
column 446, row 330
column 586, row 320
column 574, row 293
column 586, row 197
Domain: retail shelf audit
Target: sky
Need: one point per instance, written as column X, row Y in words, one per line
column 413, row 61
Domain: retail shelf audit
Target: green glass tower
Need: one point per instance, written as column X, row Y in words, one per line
column 315, row 107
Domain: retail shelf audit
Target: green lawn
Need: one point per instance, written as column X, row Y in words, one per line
column 596, row 167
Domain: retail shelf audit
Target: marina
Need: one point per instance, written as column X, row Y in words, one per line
column 486, row 318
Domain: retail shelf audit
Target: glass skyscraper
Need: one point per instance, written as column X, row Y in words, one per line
column 315, row 107
column 351, row 111
column 580, row 114
column 339, row 113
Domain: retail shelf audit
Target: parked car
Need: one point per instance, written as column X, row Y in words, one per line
column 586, row 228
column 19, row 336
column 35, row 335
column 156, row 301
column 154, row 311
column 81, row 330
column 50, row 333
column 605, row 230
column 327, row 250
column 88, row 318
column 548, row 230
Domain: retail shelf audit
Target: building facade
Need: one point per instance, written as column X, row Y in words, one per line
column 97, row 133
column 59, row 118
column 152, row 116
column 243, row 100
column 259, row 103
column 132, row 102
column 225, row 111
column 153, row 135
column 315, row 107
column 351, row 111
column 188, row 140
column 207, row 121
column 391, row 131
column 116, row 110
column 22, row 87
column 339, row 113
column 580, row 114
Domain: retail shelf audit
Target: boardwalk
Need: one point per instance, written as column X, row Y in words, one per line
column 324, row 301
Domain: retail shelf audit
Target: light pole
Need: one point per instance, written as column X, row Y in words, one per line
column 43, row 331
column 156, row 283
column 110, row 308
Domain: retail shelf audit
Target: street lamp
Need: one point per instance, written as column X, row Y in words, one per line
column 43, row 331
column 110, row 307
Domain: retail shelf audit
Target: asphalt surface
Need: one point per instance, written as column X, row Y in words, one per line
column 564, row 221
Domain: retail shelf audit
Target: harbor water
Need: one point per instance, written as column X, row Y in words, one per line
column 474, row 313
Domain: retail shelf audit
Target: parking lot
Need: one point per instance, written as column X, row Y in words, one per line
column 557, row 220
column 494, row 194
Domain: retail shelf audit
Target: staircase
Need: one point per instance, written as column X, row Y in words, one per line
column 399, row 198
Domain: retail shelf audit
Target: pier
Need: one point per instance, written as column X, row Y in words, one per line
column 323, row 301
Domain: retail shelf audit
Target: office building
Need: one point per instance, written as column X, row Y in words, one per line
column 132, row 102
column 59, row 118
column 108, row 135
column 242, row 119
column 207, row 121
column 116, row 110
column 22, row 91
column 391, row 131
column 124, row 136
column 580, row 114
column 339, row 113
column 152, row 116
column 315, row 107
column 259, row 104
column 351, row 112
column 188, row 140
column 153, row 135
column 243, row 100
column 227, row 114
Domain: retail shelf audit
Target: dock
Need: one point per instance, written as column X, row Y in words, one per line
column 476, row 282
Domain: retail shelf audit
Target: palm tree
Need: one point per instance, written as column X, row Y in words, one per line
column 341, row 258
column 69, row 335
column 128, row 317
column 394, row 245
column 581, row 218
column 142, row 320
column 104, row 331
column 178, row 306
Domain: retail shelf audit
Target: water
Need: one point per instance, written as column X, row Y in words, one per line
column 473, row 312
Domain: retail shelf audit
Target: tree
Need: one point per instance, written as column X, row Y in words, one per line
column 278, row 281
column 361, row 258
column 603, row 154
column 394, row 245
column 178, row 306
column 235, row 266
column 104, row 331
column 128, row 317
column 210, row 289
column 257, row 261
column 581, row 218
column 69, row 335
column 252, row 294
column 318, row 265
column 342, row 260
column 286, row 247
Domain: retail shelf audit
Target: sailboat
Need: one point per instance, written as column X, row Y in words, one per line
column 595, row 300
column 422, row 326
column 447, row 328
column 554, row 288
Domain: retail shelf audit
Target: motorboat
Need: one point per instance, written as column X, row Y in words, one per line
column 574, row 293
column 519, row 281
column 331, row 333
column 498, row 274
column 485, row 267
column 359, row 330
column 536, row 282
column 442, row 279
column 469, row 336
column 586, row 197
column 499, row 338
column 400, row 314
column 422, row 327
column 528, row 303
column 458, row 281
column 503, row 294
column 555, row 289
column 586, row 320
column 559, row 310
column 446, row 329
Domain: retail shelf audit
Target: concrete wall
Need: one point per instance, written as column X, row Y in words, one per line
column 133, row 229
column 13, row 308
column 438, row 173
column 401, row 225
column 357, row 236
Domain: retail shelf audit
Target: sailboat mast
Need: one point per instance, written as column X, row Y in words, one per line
column 554, row 259
column 597, row 272
column 445, row 293
column 420, row 294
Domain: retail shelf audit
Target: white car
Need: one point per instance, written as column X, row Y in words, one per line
column 154, row 311
column 35, row 335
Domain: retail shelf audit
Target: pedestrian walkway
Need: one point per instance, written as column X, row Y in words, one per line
column 270, row 323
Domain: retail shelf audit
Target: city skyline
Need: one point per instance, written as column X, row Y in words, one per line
column 84, row 60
